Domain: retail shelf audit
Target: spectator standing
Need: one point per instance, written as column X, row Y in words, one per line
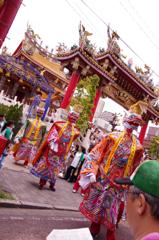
column 142, row 203
column 2, row 122
column 80, row 163
column 72, row 168
column 6, row 135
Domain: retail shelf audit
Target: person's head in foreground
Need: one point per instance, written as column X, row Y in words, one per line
column 142, row 203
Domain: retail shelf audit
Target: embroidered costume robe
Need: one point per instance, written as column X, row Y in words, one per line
column 50, row 158
column 115, row 156
column 30, row 137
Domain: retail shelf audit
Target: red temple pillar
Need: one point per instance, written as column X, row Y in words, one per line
column 142, row 133
column 8, row 12
column 96, row 100
column 70, row 89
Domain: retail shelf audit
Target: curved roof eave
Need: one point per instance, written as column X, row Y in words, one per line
column 97, row 68
column 40, row 65
column 128, row 72
column 22, row 74
column 153, row 112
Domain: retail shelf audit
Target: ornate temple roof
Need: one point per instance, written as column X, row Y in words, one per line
column 53, row 68
column 87, row 59
column 25, row 71
column 118, row 79
column 131, row 74
column 34, row 65
column 31, row 48
column 122, row 83
column 93, row 62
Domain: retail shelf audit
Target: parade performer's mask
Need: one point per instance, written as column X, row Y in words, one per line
column 132, row 121
column 73, row 117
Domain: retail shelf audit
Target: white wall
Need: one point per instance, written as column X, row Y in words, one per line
column 99, row 108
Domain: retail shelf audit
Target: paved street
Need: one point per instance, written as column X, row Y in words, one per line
column 31, row 224
column 24, row 187
column 36, row 225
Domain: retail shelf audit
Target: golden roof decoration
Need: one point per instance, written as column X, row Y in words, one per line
column 115, row 35
column 83, row 35
column 139, row 107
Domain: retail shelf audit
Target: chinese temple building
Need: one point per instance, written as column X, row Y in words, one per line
column 117, row 79
column 31, row 68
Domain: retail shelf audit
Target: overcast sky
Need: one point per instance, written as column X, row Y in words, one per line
column 57, row 21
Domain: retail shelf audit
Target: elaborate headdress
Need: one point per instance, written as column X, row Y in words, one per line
column 75, row 112
column 134, row 117
column 139, row 107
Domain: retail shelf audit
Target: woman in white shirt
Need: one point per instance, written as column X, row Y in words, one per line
column 72, row 168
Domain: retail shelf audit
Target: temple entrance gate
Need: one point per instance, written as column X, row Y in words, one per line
column 117, row 79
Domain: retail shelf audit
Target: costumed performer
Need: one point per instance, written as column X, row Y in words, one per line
column 29, row 138
column 117, row 155
column 32, row 111
column 50, row 158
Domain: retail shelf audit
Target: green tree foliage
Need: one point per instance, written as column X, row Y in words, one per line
column 154, row 148
column 12, row 113
column 3, row 109
column 84, row 96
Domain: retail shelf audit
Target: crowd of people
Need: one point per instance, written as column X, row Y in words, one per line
column 99, row 163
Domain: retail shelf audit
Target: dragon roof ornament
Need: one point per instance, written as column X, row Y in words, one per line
column 84, row 42
column 34, row 43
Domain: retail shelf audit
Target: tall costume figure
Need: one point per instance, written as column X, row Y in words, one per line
column 117, row 155
column 50, row 159
column 29, row 138
column 32, row 111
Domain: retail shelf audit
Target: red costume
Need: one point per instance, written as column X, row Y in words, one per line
column 50, row 158
column 117, row 155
